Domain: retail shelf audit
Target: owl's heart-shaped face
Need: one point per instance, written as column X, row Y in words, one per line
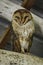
column 22, row 17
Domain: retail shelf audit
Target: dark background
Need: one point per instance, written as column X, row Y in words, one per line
column 39, row 4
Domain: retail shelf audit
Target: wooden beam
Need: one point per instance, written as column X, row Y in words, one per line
column 7, row 8
column 38, row 22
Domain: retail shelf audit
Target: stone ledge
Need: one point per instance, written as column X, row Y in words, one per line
column 13, row 58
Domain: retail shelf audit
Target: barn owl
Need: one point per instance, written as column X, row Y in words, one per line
column 23, row 27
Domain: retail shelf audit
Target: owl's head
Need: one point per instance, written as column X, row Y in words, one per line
column 22, row 16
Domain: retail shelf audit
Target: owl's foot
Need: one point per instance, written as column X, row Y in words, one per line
column 22, row 50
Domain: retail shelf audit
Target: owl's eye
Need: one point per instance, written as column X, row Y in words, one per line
column 26, row 17
column 17, row 17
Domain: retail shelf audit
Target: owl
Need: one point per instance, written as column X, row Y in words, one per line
column 23, row 28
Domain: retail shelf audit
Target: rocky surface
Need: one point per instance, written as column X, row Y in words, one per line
column 13, row 58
